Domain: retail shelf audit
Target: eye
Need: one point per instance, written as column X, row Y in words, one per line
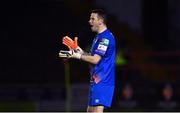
column 92, row 18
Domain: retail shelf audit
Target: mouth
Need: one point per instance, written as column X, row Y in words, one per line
column 91, row 25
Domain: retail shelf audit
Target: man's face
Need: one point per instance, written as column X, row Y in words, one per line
column 94, row 22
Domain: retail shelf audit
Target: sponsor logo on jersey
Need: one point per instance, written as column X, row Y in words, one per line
column 103, row 45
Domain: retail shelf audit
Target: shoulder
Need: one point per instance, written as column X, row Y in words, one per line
column 106, row 38
column 107, row 34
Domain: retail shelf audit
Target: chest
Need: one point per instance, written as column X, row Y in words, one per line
column 94, row 44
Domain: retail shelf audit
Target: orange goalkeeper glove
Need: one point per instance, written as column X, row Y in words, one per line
column 69, row 42
column 72, row 44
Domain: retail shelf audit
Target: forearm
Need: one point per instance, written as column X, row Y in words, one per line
column 91, row 59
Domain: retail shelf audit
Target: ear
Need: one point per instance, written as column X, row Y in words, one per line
column 101, row 21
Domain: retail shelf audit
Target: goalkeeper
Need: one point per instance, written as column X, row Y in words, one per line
column 102, row 56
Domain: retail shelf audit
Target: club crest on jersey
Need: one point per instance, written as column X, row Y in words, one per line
column 104, row 41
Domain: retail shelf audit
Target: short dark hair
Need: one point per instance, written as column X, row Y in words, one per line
column 101, row 13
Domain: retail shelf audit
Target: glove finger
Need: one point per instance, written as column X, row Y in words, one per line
column 68, row 38
column 68, row 41
column 69, row 48
column 67, row 44
column 65, row 37
column 65, row 54
column 76, row 41
column 62, row 55
column 70, row 44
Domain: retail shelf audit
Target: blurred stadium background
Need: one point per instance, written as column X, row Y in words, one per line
column 33, row 78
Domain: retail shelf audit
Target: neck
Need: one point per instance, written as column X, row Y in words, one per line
column 101, row 29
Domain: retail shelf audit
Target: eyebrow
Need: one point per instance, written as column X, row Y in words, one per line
column 92, row 18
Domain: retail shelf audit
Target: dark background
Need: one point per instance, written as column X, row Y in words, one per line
column 147, row 37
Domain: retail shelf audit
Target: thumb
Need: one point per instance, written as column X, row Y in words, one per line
column 69, row 47
column 76, row 41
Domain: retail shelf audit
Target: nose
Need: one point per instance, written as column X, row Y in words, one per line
column 89, row 21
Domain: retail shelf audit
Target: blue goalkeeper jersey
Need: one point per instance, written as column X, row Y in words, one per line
column 104, row 71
